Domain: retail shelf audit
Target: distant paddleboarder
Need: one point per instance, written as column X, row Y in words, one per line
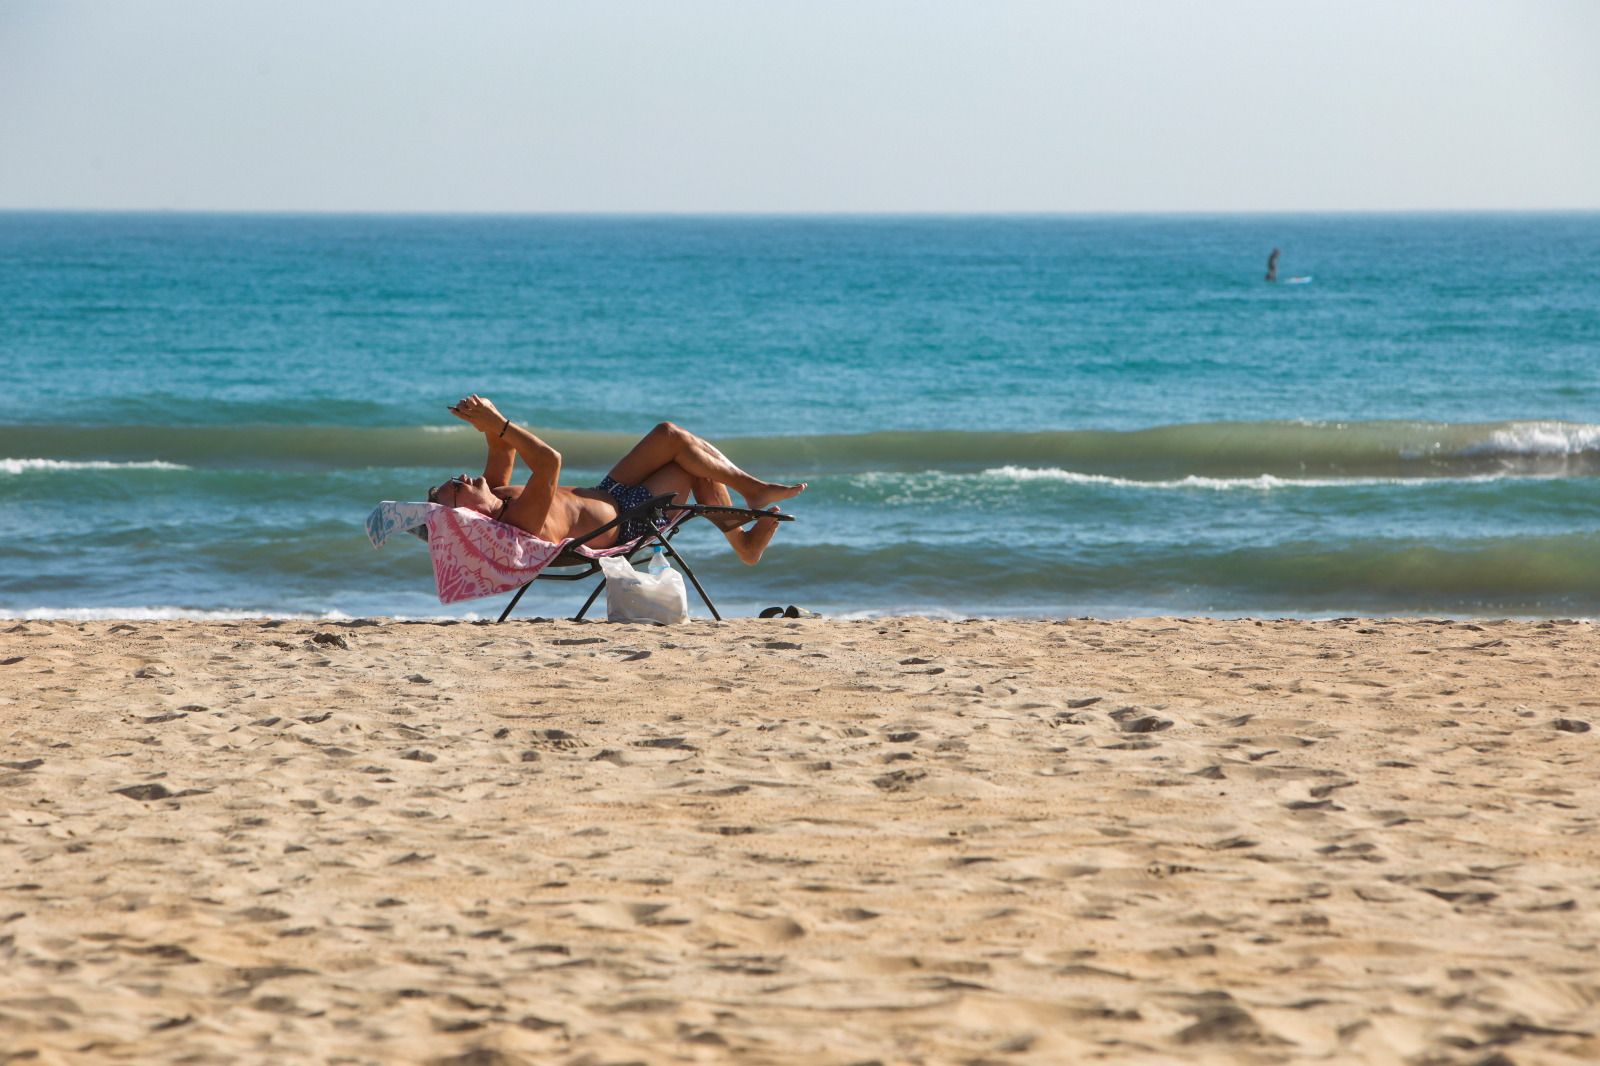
column 1272, row 272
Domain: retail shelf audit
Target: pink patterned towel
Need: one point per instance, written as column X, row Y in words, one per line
column 474, row 555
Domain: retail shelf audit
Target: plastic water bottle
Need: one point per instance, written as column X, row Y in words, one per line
column 658, row 560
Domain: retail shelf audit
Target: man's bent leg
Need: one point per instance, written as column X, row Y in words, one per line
column 749, row 544
column 667, row 443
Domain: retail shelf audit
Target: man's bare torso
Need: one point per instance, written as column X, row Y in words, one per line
column 573, row 512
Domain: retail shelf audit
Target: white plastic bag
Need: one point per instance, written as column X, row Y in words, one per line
column 635, row 596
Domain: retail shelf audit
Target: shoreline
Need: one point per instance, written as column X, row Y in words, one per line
column 205, row 616
column 1248, row 840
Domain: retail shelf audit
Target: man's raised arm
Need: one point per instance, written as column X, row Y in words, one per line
column 531, row 508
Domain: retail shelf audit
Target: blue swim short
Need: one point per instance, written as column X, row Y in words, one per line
column 627, row 496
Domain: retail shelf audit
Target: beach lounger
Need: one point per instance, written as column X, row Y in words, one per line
column 474, row 555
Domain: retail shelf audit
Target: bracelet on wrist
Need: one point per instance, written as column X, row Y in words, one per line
column 505, row 427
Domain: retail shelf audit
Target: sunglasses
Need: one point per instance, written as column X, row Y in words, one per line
column 459, row 481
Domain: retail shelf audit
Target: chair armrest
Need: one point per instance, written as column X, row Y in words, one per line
column 643, row 510
column 726, row 518
column 656, row 508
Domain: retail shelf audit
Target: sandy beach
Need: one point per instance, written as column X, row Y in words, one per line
column 894, row 841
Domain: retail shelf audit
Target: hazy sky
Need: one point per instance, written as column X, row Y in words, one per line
column 808, row 105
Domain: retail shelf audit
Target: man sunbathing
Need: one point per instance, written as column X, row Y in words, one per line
column 668, row 459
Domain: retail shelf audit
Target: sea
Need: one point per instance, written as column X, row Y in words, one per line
column 1046, row 416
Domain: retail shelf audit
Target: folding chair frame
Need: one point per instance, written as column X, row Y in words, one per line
column 653, row 511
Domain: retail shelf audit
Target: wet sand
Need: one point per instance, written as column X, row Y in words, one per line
column 899, row 841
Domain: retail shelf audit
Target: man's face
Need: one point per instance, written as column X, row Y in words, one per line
column 473, row 493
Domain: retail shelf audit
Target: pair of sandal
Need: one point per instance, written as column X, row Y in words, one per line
column 790, row 611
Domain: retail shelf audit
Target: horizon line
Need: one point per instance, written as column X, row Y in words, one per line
column 796, row 214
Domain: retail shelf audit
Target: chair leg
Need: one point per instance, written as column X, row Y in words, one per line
column 692, row 579
column 510, row 606
column 589, row 602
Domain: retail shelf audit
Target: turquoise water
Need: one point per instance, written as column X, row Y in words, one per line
column 1038, row 416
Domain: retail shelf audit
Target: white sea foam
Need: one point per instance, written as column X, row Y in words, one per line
column 990, row 612
column 189, row 614
column 1539, row 438
column 23, row 466
column 931, row 485
column 940, row 614
column 157, row 614
column 1260, row 483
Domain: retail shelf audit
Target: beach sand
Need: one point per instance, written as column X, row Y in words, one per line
column 892, row 841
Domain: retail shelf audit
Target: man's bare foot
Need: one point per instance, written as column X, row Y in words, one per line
column 749, row 544
column 772, row 493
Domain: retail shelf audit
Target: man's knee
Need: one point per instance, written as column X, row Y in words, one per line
column 670, row 430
